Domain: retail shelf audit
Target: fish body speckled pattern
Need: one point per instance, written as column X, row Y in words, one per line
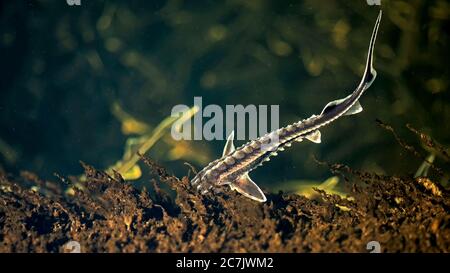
column 233, row 167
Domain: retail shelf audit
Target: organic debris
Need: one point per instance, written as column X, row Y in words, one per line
column 110, row 215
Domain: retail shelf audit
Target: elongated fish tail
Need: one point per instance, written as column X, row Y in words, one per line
column 367, row 79
column 369, row 72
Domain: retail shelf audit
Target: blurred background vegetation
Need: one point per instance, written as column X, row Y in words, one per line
column 83, row 82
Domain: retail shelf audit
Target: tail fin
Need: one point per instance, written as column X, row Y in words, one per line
column 369, row 72
column 367, row 79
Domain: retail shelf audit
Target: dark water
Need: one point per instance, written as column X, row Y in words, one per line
column 65, row 67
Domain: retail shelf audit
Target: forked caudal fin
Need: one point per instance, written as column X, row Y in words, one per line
column 244, row 184
column 351, row 101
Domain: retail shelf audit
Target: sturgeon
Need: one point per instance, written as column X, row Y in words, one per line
column 233, row 167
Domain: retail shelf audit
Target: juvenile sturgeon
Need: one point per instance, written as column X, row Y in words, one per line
column 235, row 164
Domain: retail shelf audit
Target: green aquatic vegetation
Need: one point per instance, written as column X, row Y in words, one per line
column 136, row 146
column 422, row 171
column 308, row 188
column 8, row 152
column 428, row 144
column 431, row 145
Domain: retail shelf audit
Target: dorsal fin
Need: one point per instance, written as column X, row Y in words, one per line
column 245, row 186
column 331, row 105
column 229, row 146
column 355, row 109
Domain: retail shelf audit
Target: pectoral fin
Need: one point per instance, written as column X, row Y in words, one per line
column 245, row 186
column 229, row 146
column 315, row 137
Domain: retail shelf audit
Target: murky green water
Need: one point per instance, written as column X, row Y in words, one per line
column 78, row 81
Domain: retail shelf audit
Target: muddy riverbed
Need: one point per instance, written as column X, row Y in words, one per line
column 111, row 215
